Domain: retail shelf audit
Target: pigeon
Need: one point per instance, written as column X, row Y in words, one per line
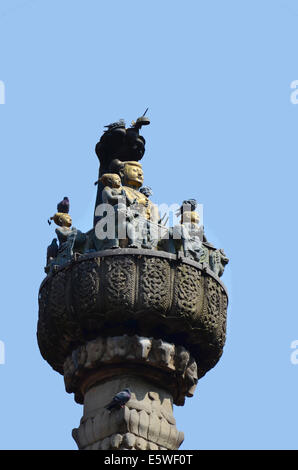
column 63, row 206
column 188, row 204
column 113, row 125
column 119, row 400
column 52, row 250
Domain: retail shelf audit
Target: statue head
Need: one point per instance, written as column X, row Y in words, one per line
column 190, row 217
column 111, row 179
column 132, row 174
column 62, row 219
column 146, row 190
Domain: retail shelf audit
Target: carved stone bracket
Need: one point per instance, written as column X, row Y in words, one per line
column 154, row 359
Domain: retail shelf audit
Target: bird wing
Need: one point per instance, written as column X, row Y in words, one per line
column 119, row 399
column 121, row 396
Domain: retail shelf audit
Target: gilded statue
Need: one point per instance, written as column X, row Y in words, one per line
column 132, row 178
column 120, row 144
column 69, row 238
column 124, row 229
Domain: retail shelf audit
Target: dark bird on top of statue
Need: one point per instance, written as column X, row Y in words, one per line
column 113, row 125
column 119, row 400
column 63, row 206
column 120, row 143
column 187, row 205
column 190, row 202
column 52, row 250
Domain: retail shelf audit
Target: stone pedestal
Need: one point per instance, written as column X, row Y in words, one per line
column 143, row 319
column 145, row 423
column 157, row 372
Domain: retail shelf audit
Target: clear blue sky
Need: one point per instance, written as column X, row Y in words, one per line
column 216, row 76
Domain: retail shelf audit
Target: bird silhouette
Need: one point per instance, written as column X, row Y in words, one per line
column 190, row 202
column 119, row 399
column 187, row 205
column 52, row 250
column 63, row 206
column 120, row 123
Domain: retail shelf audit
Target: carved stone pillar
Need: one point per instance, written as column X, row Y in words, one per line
column 149, row 315
column 142, row 319
column 158, row 374
column 146, row 422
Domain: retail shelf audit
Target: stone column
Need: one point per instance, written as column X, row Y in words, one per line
column 143, row 319
column 157, row 372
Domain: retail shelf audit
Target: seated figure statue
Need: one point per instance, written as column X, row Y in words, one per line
column 70, row 240
column 124, row 226
column 132, row 178
column 188, row 236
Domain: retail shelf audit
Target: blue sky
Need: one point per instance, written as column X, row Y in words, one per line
column 217, row 79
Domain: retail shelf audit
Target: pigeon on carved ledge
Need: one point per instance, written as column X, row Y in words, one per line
column 119, row 399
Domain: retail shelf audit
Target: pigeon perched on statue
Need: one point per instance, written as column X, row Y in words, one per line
column 113, row 125
column 187, row 205
column 63, row 206
column 119, row 400
column 52, row 250
column 190, row 203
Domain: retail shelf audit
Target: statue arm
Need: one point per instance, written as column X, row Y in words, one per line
column 130, row 199
column 108, row 197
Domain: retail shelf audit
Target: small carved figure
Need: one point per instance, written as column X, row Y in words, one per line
column 95, row 350
column 146, row 190
column 125, row 212
column 117, row 346
column 62, row 219
column 62, row 207
column 163, row 352
column 68, row 237
column 218, row 260
column 112, row 193
column 150, row 230
column 181, row 359
column 191, row 375
column 141, row 347
column 134, row 228
column 187, row 236
column 204, row 259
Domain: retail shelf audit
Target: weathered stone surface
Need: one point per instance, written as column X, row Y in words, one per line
column 155, row 359
column 146, row 422
column 114, row 292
